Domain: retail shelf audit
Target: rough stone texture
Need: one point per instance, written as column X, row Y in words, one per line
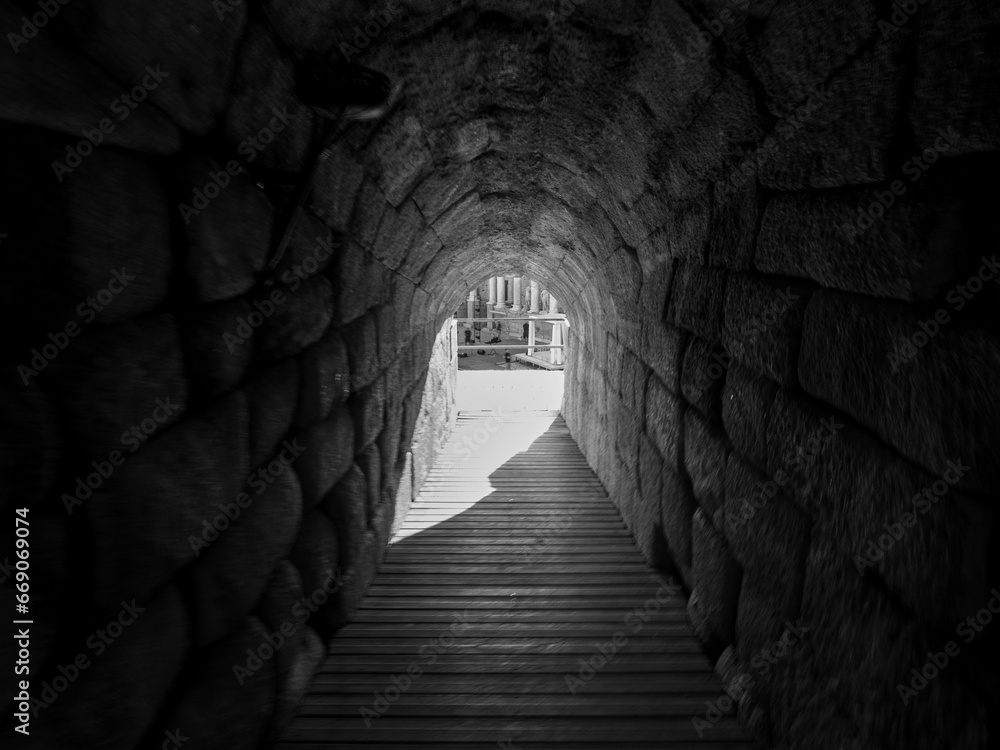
column 109, row 380
column 299, row 321
column 845, row 360
column 347, row 507
column 227, row 238
column 838, row 238
column 764, row 323
column 229, row 576
column 316, row 555
column 272, row 396
column 204, row 707
column 746, row 407
column 95, row 711
column 715, row 583
column 325, row 379
column 953, row 54
column 327, row 451
column 194, row 48
column 702, row 377
column 663, row 421
column 218, row 354
column 696, row 302
column 144, row 514
column 705, row 454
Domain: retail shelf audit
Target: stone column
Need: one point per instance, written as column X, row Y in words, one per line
column 493, row 290
column 531, row 337
column 470, row 306
column 518, row 295
column 501, row 294
column 553, row 305
column 535, row 293
column 556, row 355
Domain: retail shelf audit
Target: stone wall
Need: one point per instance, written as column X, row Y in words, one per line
column 805, row 356
column 211, row 462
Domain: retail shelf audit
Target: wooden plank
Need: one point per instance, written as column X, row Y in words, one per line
column 506, row 576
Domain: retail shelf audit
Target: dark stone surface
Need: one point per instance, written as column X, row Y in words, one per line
column 746, row 413
column 328, row 448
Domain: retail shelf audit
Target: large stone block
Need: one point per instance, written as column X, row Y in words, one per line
column 715, row 586
column 272, row 396
column 361, row 283
column 185, row 67
column 767, row 631
column 663, row 348
column 368, row 410
column 926, row 539
column 44, row 83
column 764, row 323
column 705, row 453
column 677, row 507
column 697, row 298
column 861, row 645
column 420, row 255
column 702, row 377
column 219, row 354
column 953, row 57
column 850, row 358
column 336, row 187
column 317, row 556
column 663, row 421
column 794, row 54
column 442, row 190
column 733, row 226
column 144, row 514
column 848, row 137
column 327, row 455
column 325, row 379
column 227, row 241
column 746, row 413
column 117, row 695
column 91, row 246
column 361, row 337
column 370, row 461
column 221, row 701
column 261, row 102
column 401, row 151
column 647, row 523
column 766, row 532
column 347, row 506
column 299, row 320
column 311, row 248
column 396, row 233
column 231, row 572
column 846, row 239
column 120, row 384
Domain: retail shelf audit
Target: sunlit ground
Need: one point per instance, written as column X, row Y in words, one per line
column 501, row 414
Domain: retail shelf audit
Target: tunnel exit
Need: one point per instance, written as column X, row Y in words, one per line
column 509, row 343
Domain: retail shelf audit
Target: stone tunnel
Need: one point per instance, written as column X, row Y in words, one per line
column 765, row 219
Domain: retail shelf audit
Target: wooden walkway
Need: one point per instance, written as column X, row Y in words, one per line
column 508, row 613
